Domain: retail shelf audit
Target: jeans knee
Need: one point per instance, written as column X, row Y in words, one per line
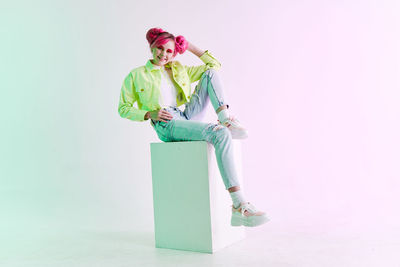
column 222, row 135
column 210, row 72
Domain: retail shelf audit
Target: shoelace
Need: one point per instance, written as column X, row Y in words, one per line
column 249, row 207
column 230, row 118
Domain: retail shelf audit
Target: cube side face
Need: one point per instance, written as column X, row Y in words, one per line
column 181, row 196
column 223, row 234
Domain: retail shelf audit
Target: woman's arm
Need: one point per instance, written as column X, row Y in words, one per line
column 127, row 100
column 195, row 72
column 158, row 115
column 195, row 50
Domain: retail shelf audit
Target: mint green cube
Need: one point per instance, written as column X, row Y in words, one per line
column 192, row 208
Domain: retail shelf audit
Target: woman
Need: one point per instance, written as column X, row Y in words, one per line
column 162, row 85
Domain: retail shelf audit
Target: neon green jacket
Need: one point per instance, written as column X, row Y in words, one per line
column 142, row 86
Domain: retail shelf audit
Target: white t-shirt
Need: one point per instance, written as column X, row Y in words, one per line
column 167, row 89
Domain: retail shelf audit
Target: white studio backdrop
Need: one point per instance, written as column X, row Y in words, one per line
column 315, row 82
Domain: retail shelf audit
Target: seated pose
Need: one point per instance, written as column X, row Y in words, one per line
column 162, row 85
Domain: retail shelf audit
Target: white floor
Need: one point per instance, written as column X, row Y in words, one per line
column 263, row 246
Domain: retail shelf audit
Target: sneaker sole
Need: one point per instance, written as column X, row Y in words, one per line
column 250, row 221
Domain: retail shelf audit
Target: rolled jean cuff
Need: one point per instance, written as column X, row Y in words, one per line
column 218, row 109
column 227, row 186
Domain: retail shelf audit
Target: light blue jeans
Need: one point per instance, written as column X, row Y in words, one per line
column 181, row 128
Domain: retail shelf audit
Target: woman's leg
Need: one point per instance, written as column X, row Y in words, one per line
column 209, row 87
column 180, row 129
column 218, row 135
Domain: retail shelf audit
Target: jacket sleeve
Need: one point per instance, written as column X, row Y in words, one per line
column 126, row 101
column 195, row 72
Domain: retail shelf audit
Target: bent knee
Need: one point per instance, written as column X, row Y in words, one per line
column 210, row 72
column 221, row 133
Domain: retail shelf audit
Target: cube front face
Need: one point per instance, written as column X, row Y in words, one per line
column 181, row 199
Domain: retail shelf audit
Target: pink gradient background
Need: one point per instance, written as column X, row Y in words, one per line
column 320, row 97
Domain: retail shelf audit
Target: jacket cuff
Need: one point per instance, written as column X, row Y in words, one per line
column 207, row 57
column 137, row 115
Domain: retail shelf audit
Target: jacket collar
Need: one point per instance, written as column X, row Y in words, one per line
column 150, row 66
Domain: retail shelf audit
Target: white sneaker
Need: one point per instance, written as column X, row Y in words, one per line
column 237, row 130
column 246, row 214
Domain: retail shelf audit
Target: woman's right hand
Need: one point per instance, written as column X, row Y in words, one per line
column 159, row 115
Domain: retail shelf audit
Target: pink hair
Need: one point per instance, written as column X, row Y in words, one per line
column 157, row 36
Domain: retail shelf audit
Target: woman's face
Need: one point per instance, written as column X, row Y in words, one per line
column 163, row 54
